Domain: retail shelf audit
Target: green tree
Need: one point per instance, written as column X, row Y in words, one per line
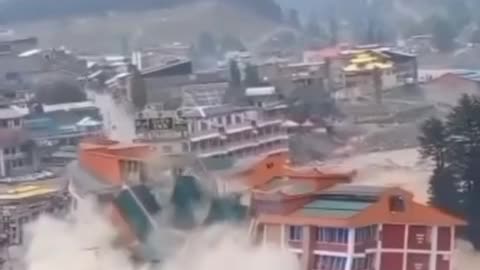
column 433, row 141
column 138, row 90
column 443, row 188
column 455, row 147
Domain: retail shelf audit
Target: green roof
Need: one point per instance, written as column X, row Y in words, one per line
column 334, row 208
column 133, row 212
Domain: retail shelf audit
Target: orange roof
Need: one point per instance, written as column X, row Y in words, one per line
column 104, row 159
column 376, row 213
column 276, row 166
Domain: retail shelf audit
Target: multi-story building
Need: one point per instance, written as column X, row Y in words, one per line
column 63, row 124
column 134, row 183
column 226, row 130
column 370, row 70
column 18, row 153
column 326, row 73
column 24, row 203
column 26, row 191
column 351, row 227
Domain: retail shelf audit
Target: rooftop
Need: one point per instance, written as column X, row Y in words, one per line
column 209, row 111
column 359, row 205
column 7, row 112
column 334, row 208
column 274, row 175
column 260, row 91
column 25, row 192
column 69, row 106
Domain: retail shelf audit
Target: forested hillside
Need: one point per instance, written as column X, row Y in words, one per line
column 28, row 10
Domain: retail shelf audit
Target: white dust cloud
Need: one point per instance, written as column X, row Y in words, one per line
column 83, row 241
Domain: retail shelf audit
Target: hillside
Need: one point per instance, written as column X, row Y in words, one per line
column 104, row 33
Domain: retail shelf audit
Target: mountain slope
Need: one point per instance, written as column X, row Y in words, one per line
column 148, row 28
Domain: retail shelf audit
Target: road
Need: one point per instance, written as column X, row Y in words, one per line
column 118, row 123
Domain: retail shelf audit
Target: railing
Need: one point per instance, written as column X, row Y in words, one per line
column 235, row 146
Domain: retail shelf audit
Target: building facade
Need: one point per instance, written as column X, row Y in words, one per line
column 21, row 205
column 350, row 227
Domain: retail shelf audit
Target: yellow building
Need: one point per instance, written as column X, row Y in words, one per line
column 360, row 69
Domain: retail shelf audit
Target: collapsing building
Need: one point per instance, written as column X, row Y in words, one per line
column 143, row 203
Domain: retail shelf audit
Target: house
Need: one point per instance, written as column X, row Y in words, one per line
column 227, row 131
column 289, row 76
column 449, row 87
column 63, row 124
column 116, row 174
column 18, row 153
column 268, row 99
column 24, row 203
column 26, row 190
column 353, row 227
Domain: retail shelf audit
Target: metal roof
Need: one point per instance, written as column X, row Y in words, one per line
column 335, row 208
column 354, row 190
column 260, row 91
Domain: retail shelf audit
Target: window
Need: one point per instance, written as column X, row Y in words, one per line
column 397, row 204
column 332, row 235
column 132, row 166
column 220, row 120
column 330, row 262
column 6, row 151
column 295, row 233
column 203, row 126
column 229, row 119
column 16, row 122
column 358, row 264
column 368, row 233
column 238, row 119
column 167, row 149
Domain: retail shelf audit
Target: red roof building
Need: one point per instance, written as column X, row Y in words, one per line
column 332, row 225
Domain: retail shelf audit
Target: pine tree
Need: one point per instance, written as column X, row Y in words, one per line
column 455, row 148
column 465, row 122
column 433, row 141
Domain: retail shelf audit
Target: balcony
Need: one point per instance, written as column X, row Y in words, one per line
column 204, row 135
column 230, row 129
